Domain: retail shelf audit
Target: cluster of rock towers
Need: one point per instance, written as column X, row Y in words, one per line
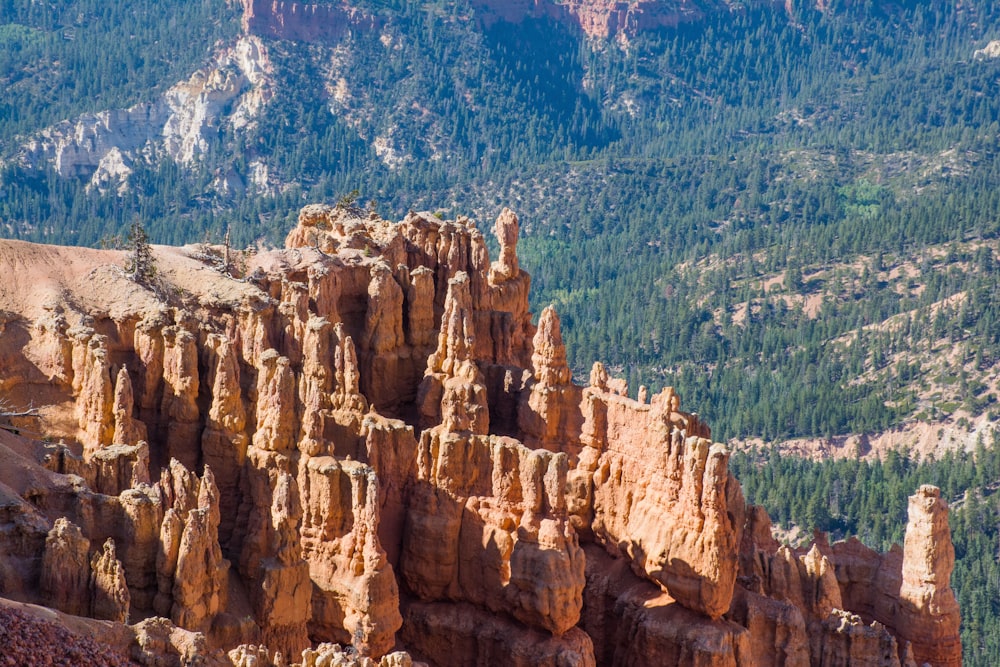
column 365, row 440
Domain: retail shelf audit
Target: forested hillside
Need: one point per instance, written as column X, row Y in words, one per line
column 788, row 216
column 63, row 58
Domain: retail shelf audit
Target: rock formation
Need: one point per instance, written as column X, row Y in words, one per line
column 387, row 451
column 128, row 430
column 110, row 596
column 299, row 21
column 598, row 19
column 224, row 440
column 650, row 471
column 355, row 596
column 200, row 574
column 65, row 582
column 179, row 414
column 182, row 122
column 92, row 381
column 928, row 614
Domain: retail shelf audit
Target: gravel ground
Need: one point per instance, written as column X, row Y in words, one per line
column 30, row 642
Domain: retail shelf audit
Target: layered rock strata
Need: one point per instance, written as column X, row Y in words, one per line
column 365, row 440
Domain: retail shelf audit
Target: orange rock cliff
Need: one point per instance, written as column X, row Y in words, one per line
column 360, row 450
column 597, row 19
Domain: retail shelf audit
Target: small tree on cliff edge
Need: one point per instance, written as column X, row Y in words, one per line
column 140, row 265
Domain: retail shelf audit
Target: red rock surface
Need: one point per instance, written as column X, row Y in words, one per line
column 302, row 21
column 25, row 640
column 601, row 18
column 366, row 441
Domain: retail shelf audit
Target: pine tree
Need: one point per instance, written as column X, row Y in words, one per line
column 140, row 264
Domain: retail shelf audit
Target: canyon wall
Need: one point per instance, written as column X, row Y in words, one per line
column 597, row 19
column 600, row 18
column 363, row 439
column 303, row 21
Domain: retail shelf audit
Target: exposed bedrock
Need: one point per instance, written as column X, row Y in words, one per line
column 364, row 441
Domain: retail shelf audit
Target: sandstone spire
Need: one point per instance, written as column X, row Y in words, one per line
column 148, row 344
column 928, row 615
column 110, row 596
column 128, row 430
column 383, row 336
column 138, row 537
column 599, row 376
column 95, row 398
column 281, row 605
column 550, row 414
column 271, row 550
column 226, row 418
column 66, row 569
column 224, row 440
column 178, row 487
column 167, row 552
column 453, row 390
column 506, row 230
column 821, row 593
column 276, row 423
column 549, row 356
column 199, row 587
column 346, row 393
column 315, row 385
column 179, row 408
column 420, row 310
column 293, row 314
column 509, row 322
column 457, row 338
column 355, row 597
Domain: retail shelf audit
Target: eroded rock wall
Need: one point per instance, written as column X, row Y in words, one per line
column 365, row 440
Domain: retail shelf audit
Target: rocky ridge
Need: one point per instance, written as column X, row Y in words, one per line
column 600, row 19
column 181, row 124
column 364, row 440
column 303, row 21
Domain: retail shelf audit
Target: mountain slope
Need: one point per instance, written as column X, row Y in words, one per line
column 723, row 157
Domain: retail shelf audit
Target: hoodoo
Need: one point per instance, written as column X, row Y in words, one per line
column 363, row 440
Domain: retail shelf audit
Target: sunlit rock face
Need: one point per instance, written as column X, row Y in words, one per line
column 362, row 439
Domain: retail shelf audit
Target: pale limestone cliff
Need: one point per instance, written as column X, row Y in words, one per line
column 181, row 124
